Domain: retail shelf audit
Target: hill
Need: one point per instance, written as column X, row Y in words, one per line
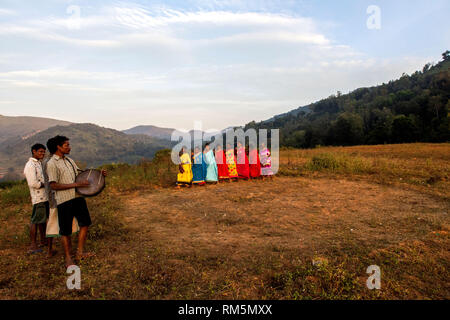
column 23, row 127
column 166, row 133
column 414, row 108
column 92, row 146
column 152, row 131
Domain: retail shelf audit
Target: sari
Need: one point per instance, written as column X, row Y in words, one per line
column 242, row 164
column 266, row 162
column 231, row 163
column 199, row 169
column 222, row 166
column 211, row 166
column 255, row 165
column 186, row 176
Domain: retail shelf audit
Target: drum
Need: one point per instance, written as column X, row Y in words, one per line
column 96, row 180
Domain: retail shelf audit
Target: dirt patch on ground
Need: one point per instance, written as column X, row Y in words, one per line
column 293, row 214
column 251, row 240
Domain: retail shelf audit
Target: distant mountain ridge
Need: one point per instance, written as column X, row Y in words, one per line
column 25, row 127
column 166, row 133
column 152, row 131
column 92, row 146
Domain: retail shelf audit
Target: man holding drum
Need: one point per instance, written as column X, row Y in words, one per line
column 62, row 172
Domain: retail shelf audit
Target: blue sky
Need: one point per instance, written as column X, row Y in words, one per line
column 120, row 64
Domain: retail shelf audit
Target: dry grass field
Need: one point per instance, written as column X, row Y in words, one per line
column 343, row 208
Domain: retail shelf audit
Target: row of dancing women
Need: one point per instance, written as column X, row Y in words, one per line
column 212, row 166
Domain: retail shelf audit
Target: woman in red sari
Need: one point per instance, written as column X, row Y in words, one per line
column 255, row 164
column 222, row 166
column 242, row 162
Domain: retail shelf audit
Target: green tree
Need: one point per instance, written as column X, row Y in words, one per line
column 404, row 129
column 347, row 130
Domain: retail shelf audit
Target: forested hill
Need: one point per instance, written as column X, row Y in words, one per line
column 411, row 109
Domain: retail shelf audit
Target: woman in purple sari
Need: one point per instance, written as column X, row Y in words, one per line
column 266, row 162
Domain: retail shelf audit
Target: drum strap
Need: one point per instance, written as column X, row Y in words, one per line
column 73, row 168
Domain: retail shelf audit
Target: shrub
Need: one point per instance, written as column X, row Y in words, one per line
column 16, row 194
column 339, row 163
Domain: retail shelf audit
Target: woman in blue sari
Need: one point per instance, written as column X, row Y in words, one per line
column 198, row 168
column 211, row 165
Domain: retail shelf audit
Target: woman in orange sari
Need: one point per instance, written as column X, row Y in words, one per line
column 231, row 162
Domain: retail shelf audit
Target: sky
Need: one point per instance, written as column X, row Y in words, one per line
column 222, row 62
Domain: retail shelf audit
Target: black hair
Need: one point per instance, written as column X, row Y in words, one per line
column 206, row 144
column 183, row 148
column 59, row 140
column 37, row 146
column 51, row 145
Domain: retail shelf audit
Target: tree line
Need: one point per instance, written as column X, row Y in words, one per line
column 414, row 108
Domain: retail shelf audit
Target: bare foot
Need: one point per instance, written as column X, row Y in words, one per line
column 81, row 256
column 51, row 253
column 33, row 251
column 69, row 262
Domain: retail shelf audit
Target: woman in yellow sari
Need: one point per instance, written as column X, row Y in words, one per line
column 184, row 176
column 231, row 161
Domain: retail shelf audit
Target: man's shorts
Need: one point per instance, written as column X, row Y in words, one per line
column 40, row 213
column 73, row 208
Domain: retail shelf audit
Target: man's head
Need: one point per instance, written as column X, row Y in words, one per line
column 207, row 146
column 51, row 145
column 38, row 151
column 62, row 144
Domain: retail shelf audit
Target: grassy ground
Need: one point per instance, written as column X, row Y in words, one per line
column 341, row 208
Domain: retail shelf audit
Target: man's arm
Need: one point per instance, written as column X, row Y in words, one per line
column 32, row 179
column 61, row 186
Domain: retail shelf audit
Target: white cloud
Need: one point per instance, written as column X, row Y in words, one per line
column 7, row 12
column 172, row 67
column 140, row 26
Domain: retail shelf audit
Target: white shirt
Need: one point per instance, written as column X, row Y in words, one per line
column 64, row 171
column 35, row 179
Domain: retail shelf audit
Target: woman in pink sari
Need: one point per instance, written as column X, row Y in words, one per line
column 266, row 162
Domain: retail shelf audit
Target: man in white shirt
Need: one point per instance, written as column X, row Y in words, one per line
column 35, row 179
